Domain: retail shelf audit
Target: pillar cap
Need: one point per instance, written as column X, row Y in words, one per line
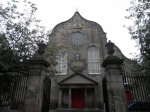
column 112, row 60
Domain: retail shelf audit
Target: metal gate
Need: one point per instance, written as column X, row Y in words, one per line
column 105, row 94
column 46, row 94
column 137, row 88
column 12, row 91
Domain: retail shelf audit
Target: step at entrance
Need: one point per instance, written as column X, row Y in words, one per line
column 78, row 110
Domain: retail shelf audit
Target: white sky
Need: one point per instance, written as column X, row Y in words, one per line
column 109, row 14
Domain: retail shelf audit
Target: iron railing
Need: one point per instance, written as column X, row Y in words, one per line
column 12, row 91
column 137, row 88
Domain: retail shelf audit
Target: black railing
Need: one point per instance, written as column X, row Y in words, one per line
column 137, row 88
column 46, row 94
column 12, row 91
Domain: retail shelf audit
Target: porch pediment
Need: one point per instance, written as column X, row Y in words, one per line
column 78, row 79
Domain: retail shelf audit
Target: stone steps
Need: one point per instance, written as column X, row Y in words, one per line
column 77, row 110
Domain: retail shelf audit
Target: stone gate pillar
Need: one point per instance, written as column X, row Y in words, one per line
column 34, row 92
column 115, row 87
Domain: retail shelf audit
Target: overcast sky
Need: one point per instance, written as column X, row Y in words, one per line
column 109, row 14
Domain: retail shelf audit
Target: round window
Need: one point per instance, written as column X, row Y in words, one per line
column 77, row 39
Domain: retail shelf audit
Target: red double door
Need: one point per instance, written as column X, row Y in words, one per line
column 78, row 98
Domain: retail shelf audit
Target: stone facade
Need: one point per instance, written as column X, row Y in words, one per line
column 63, row 87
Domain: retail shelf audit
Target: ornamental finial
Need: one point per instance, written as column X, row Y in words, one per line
column 110, row 47
column 42, row 47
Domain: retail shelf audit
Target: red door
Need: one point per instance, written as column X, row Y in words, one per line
column 78, row 98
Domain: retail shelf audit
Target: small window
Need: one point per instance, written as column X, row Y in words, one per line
column 93, row 60
column 61, row 59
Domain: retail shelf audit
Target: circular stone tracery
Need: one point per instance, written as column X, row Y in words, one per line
column 77, row 39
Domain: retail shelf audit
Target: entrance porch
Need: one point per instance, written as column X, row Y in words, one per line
column 77, row 93
column 77, row 98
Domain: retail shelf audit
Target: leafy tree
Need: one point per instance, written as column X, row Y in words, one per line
column 139, row 13
column 19, row 33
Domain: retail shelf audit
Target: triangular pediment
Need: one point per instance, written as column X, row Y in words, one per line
column 78, row 79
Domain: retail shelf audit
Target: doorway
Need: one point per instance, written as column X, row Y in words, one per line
column 78, row 98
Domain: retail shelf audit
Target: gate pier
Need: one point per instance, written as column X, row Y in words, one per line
column 115, row 88
column 34, row 93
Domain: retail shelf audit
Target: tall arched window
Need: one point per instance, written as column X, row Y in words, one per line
column 93, row 60
column 61, row 59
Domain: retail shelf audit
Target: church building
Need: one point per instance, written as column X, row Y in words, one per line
column 82, row 49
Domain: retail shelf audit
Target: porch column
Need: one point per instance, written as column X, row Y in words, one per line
column 85, row 93
column 95, row 97
column 60, row 98
column 70, row 100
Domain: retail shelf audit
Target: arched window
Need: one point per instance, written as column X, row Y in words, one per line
column 61, row 59
column 93, row 60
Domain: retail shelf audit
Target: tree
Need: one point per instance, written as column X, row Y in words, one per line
column 20, row 32
column 140, row 30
